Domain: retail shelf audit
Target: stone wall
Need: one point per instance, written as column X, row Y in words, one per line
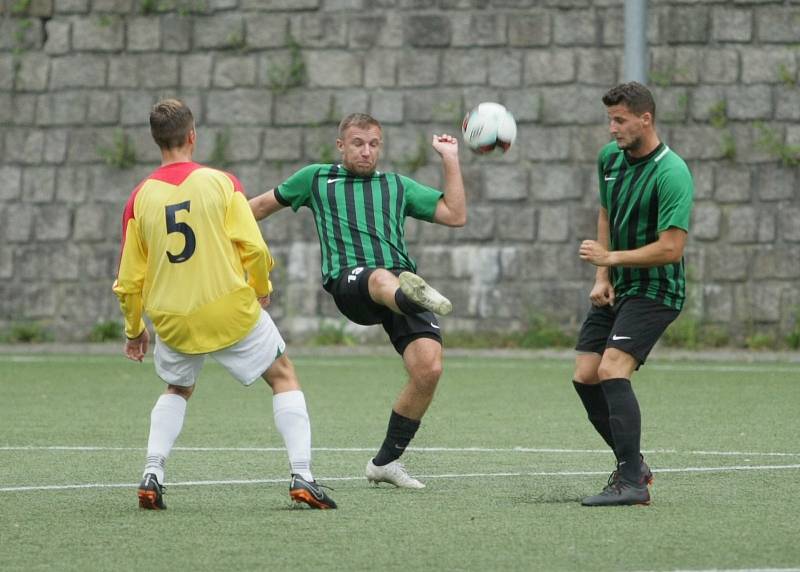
column 269, row 79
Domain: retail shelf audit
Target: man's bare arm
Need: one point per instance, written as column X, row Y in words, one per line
column 265, row 204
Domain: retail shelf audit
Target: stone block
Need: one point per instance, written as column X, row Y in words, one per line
column 364, row 31
column 505, row 69
column 12, row 183
column 32, row 72
column 266, row 30
column 6, row 73
column 239, row 107
column 73, row 184
column 144, row 34
column 6, row 263
column 698, row 142
column 596, row 67
column 516, row 223
column 235, row 71
column 749, row 138
column 586, row 142
column 727, row 263
column 135, row 107
column 550, row 66
column 731, row 24
column 749, row 102
column 776, row 182
column 103, row 108
column 523, row 104
column 386, row 107
column 53, row 222
column 719, row 66
column 303, row 108
column 686, row 25
column 136, row 71
column 72, row 6
column 21, row 35
column 478, row 29
column 769, row 65
column 706, row 220
column 789, row 224
column 319, row 30
column 481, row 226
column 380, row 69
column 23, row 109
column 22, row 216
column 556, row 182
column 62, row 108
column 586, row 106
column 786, row 103
column 243, row 143
column 114, row 6
column 219, row 31
column 530, row 28
column 418, row 68
column 553, row 224
column 717, row 302
column 280, row 5
column 427, row 31
column 176, row 33
column 733, row 184
column 347, row 101
column 767, row 226
column 781, row 262
column 672, row 103
column 24, row 146
column 98, row 34
column 332, row 68
column 55, row 146
column 708, row 103
column 743, row 225
column 502, row 183
column 545, row 143
column 778, row 24
column 442, row 105
column 703, row 177
column 196, row 70
column 465, row 67
column 282, row 144
column 90, row 223
column 81, row 71
column 575, row 28
column 674, row 65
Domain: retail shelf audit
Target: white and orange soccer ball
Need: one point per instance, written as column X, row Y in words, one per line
column 489, row 125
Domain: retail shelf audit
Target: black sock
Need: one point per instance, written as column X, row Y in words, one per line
column 407, row 306
column 398, row 435
column 626, row 426
column 594, row 401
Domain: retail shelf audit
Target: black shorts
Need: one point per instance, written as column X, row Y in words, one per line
column 633, row 325
column 350, row 291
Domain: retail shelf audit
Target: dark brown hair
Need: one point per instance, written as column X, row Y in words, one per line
column 170, row 123
column 633, row 95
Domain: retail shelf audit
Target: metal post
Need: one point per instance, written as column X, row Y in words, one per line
column 636, row 41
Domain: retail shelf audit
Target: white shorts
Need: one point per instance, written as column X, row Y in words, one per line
column 245, row 360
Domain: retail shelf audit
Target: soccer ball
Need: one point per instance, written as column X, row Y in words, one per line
column 487, row 126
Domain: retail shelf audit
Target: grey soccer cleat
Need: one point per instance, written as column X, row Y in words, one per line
column 394, row 473
column 420, row 292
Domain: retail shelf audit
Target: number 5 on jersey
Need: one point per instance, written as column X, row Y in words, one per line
column 183, row 228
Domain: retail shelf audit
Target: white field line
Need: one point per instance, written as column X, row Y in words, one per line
column 455, row 363
column 90, row 448
column 438, row 476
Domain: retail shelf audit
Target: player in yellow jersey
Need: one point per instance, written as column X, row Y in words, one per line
column 193, row 259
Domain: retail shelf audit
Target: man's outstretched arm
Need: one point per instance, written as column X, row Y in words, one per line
column 265, row 204
column 452, row 207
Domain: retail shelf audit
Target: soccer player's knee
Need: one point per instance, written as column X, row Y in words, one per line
column 185, row 392
column 428, row 375
column 381, row 279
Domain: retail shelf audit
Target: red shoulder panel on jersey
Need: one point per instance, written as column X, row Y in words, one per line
column 237, row 185
column 127, row 215
column 175, row 173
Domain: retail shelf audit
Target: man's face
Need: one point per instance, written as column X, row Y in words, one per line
column 627, row 127
column 360, row 148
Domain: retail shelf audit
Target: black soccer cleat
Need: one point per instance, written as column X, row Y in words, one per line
column 309, row 492
column 620, row 492
column 151, row 494
column 646, row 474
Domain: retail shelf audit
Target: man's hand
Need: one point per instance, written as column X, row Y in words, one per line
column 136, row 348
column 602, row 293
column 445, row 145
column 594, row 252
column 265, row 300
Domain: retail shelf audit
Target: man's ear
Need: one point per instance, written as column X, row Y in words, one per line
column 647, row 118
column 339, row 145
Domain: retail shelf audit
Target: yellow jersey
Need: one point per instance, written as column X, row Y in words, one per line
column 193, row 259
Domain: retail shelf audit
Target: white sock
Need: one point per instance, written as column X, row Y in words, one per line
column 166, row 421
column 291, row 419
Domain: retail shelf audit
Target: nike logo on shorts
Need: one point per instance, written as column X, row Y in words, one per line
column 617, row 338
column 606, row 178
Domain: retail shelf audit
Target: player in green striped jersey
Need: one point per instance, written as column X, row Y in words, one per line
column 645, row 204
column 359, row 213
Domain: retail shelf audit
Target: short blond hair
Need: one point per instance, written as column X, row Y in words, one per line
column 357, row 120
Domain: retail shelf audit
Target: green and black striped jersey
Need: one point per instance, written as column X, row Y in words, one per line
column 360, row 220
column 644, row 197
